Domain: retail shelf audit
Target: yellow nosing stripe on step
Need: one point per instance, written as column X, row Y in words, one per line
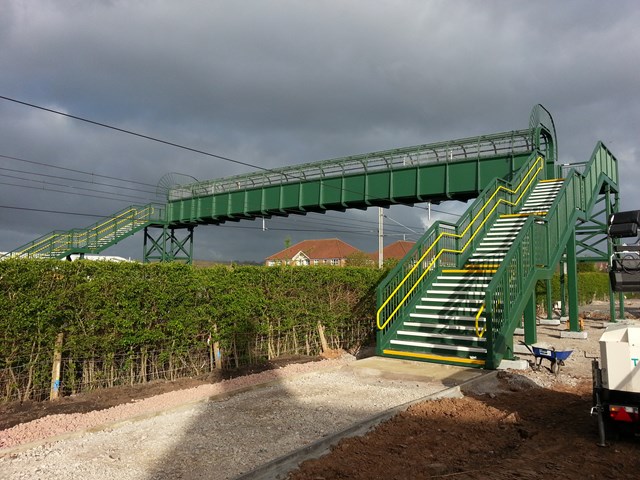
column 429, row 356
column 552, row 180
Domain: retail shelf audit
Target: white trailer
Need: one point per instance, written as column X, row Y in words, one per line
column 616, row 380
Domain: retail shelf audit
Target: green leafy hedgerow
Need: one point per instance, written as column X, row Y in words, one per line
column 130, row 323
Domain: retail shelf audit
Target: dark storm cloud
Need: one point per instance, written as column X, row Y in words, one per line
column 284, row 82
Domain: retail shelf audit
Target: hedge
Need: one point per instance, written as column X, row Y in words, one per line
column 129, row 322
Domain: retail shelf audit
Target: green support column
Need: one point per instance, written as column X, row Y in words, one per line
column 530, row 334
column 610, row 242
column 572, row 273
column 563, row 288
column 167, row 247
column 621, row 295
column 549, row 299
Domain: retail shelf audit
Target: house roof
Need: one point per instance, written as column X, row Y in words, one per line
column 396, row 250
column 316, row 249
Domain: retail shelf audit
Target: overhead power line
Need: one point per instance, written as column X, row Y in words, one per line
column 74, row 170
column 136, row 134
column 40, row 210
column 68, row 193
column 45, row 185
column 91, row 182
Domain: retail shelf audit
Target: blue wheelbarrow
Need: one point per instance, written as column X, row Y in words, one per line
column 556, row 357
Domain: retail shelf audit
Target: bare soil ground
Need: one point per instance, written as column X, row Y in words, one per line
column 524, row 425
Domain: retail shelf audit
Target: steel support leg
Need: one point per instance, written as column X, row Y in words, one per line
column 167, row 247
column 563, row 289
column 621, row 295
column 530, row 334
column 547, row 283
column 572, row 273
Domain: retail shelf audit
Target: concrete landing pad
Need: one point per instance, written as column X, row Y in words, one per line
column 410, row 370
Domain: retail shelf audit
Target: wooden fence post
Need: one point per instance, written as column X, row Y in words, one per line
column 55, row 369
column 323, row 340
column 217, row 355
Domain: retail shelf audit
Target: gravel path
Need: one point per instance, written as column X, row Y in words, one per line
column 189, row 434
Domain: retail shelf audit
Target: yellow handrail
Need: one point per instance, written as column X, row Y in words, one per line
column 456, row 235
column 135, row 213
column 478, row 332
column 107, row 222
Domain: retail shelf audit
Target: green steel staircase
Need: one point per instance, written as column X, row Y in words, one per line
column 460, row 293
column 95, row 238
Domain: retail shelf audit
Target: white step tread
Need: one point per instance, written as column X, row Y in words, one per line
column 435, row 316
column 442, row 326
column 437, row 345
column 464, row 277
column 450, row 301
column 509, row 220
column 450, row 308
column 443, row 336
column 454, row 292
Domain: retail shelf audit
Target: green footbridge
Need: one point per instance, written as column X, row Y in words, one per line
column 459, row 294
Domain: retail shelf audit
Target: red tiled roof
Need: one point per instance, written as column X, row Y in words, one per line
column 396, row 250
column 316, row 250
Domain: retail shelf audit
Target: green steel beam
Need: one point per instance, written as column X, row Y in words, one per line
column 572, row 273
column 456, row 169
column 435, row 182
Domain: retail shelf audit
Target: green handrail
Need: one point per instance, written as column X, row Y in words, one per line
column 94, row 238
column 538, row 248
column 505, row 143
column 422, row 262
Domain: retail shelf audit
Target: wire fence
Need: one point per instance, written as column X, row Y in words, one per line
column 33, row 380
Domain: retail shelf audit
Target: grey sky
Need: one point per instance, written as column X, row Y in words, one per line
column 284, row 82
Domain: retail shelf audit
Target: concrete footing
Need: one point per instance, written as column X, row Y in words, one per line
column 518, row 331
column 514, row 365
column 569, row 334
column 546, row 321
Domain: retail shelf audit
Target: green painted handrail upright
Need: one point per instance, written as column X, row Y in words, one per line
column 538, row 248
column 95, row 238
column 398, row 292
